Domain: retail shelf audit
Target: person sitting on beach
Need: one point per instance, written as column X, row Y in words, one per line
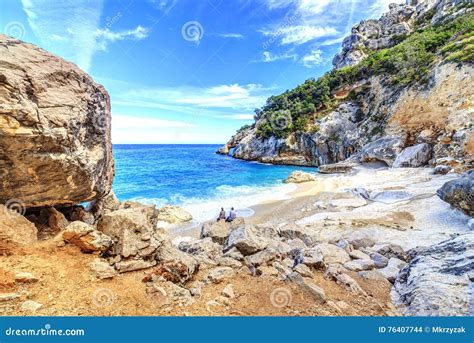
column 232, row 215
column 221, row 214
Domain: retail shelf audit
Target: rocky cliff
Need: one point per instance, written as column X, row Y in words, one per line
column 401, row 82
column 55, row 145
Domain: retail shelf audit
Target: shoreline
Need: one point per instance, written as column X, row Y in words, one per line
column 305, row 200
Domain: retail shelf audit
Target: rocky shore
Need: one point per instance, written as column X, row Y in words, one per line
column 374, row 116
column 378, row 241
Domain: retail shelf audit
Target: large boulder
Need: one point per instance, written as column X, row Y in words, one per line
column 132, row 231
column 307, row 285
column 438, row 280
column 338, row 168
column 385, row 149
column 109, row 203
column 149, row 211
column 219, row 231
column 245, row 240
column 300, row 177
column 173, row 214
column 459, row 193
column 331, row 253
column 202, row 247
column 173, row 264
column 414, row 156
column 392, row 269
column 86, row 237
column 55, row 145
column 15, row 228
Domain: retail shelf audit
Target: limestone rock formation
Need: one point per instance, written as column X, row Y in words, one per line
column 413, row 156
column 245, row 240
column 86, row 237
column 384, row 149
column 173, row 214
column 437, row 111
column 219, row 231
column 16, row 229
column 55, row 146
column 436, row 282
column 400, row 20
column 132, row 231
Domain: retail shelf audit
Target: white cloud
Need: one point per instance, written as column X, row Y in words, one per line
column 270, row 57
column 300, row 34
column 70, row 28
column 216, row 101
column 304, row 22
column 136, row 129
column 104, row 36
column 66, row 27
column 126, row 122
column 302, row 7
column 241, row 116
column 379, row 7
column 163, row 5
column 333, row 41
column 312, row 59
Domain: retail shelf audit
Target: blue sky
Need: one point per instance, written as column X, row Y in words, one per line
column 189, row 71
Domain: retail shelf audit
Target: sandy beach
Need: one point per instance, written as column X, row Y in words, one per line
column 406, row 207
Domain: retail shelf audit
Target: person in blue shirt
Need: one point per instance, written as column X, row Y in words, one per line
column 232, row 215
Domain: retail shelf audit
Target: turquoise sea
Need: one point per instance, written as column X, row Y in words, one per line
column 196, row 178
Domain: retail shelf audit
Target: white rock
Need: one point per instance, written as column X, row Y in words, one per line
column 392, row 269
column 173, row 214
column 300, row 177
column 303, row 270
column 358, row 265
column 359, row 255
column 86, row 237
column 8, row 296
column 102, row 269
column 309, row 286
column 228, row 291
column 25, row 278
column 332, row 253
column 30, row 306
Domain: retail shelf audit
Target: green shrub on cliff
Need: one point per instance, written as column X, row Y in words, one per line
column 406, row 63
